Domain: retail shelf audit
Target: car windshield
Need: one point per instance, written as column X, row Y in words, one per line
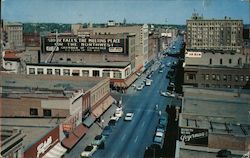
column 88, row 148
column 98, row 137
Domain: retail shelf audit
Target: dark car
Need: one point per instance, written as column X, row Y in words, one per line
column 163, row 121
column 106, row 131
column 99, row 141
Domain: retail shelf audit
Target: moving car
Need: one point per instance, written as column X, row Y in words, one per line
column 167, row 94
column 129, row 116
column 88, row 151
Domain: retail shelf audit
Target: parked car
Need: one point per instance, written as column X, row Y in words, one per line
column 88, row 151
column 129, row 116
column 163, row 121
column 118, row 113
column 167, row 94
column 107, row 131
column 159, row 138
column 99, row 141
column 140, row 87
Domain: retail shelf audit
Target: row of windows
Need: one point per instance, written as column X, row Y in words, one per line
column 85, row 73
column 34, row 112
column 218, row 77
column 220, row 86
column 221, row 61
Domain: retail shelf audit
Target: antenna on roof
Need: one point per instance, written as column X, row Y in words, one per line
column 50, row 57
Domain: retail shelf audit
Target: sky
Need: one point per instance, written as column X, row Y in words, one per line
column 134, row 11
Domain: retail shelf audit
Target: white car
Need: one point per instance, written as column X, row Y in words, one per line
column 129, row 116
column 115, row 118
column 167, row 94
column 118, row 113
column 88, row 151
column 140, row 87
column 148, row 82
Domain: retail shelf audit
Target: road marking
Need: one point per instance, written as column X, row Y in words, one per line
column 136, row 139
column 143, row 123
column 127, row 156
column 123, row 137
column 113, row 155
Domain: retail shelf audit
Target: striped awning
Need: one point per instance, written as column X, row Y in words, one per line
column 97, row 112
column 57, row 151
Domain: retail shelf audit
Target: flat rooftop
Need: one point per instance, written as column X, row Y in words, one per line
column 217, row 110
column 48, row 82
column 33, row 128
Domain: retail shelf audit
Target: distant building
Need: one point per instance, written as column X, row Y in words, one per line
column 141, row 39
column 213, row 34
column 10, row 61
column 89, row 55
column 213, row 123
column 215, row 57
column 13, row 35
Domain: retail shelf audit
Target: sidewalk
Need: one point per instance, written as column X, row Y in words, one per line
column 94, row 130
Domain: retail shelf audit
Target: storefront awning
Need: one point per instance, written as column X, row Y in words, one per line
column 74, row 136
column 89, row 120
column 57, row 151
column 102, row 107
column 130, row 79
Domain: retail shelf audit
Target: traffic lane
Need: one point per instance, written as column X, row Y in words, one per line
column 143, row 135
column 125, row 128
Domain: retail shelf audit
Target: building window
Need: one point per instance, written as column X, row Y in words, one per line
column 207, row 76
column 230, row 61
column 241, row 78
column 117, row 74
column 247, row 78
column 57, row 72
column 96, row 73
column 31, row 70
column 229, row 77
column 85, row 73
column 49, row 71
column 47, row 112
column 217, row 77
column 213, row 77
column 236, row 78
column 221, row 61
column 225, row 77
column 191, row 77
column 33, row 112
column 210, row 61
column 40, row 71
column 66, row 72
column 105, row 73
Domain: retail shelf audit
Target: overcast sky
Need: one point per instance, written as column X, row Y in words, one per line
column 135, row 11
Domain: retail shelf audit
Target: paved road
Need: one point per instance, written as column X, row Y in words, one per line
column 129, row 139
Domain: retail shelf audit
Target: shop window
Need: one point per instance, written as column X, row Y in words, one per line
column 96, row 73
column 40, row 71
column 57, row 72
column 33, row 111
column 31, row 70
column 49, row 71
column 47, row 112
column 66, row 72
column 85, row 73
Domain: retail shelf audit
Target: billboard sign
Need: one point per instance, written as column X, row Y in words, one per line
column 84, row 44
column 194, row 136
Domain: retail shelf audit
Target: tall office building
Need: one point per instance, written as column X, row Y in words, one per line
column 225, row 34
column 13, row 35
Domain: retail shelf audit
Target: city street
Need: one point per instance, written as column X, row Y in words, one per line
column 130, row 138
